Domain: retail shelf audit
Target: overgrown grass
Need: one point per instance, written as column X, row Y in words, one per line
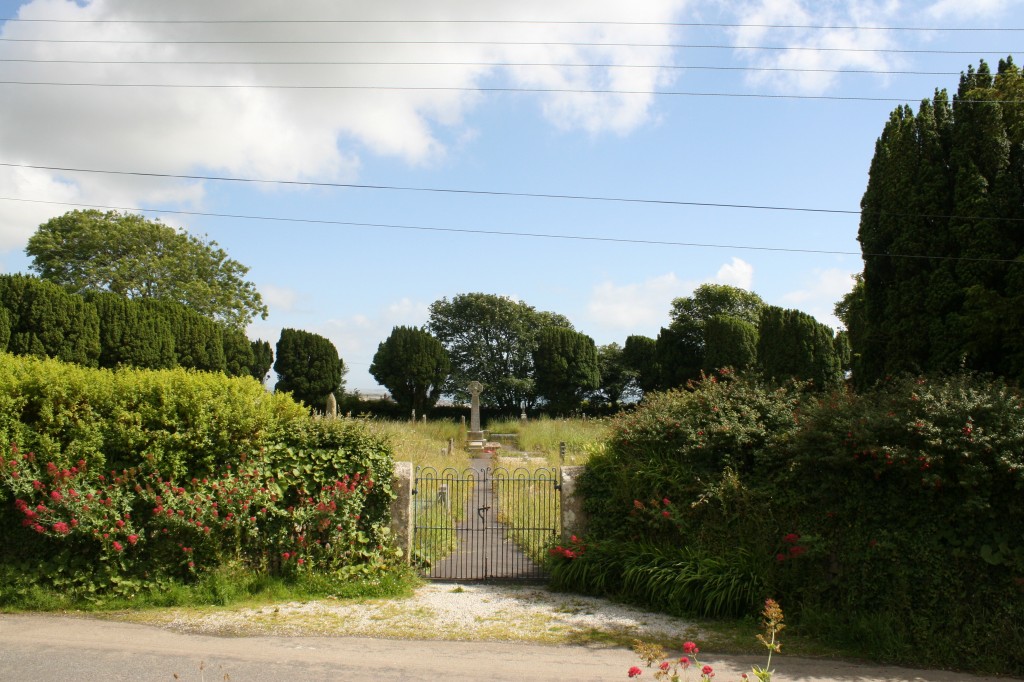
column 424, row 443
column 531, row 506
column 229, row 585
column 541, row 437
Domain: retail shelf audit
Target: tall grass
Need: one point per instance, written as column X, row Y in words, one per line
column 530, row 505
column 424, row 443
column 541, row 437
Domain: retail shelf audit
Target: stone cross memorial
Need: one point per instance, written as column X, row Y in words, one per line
column 475, row 435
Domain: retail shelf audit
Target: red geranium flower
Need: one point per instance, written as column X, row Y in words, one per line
column 635, row 672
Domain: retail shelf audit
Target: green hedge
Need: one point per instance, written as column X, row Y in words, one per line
column 139, row 439
column 890, row 521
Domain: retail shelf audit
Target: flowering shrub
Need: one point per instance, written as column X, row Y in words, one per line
column 122, row 531
column 575, row 549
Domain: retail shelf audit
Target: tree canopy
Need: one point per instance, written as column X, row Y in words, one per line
column 308, row 367
column 618, row 380
column 566, row 367
column 940, row 234
column 682, row 346
column 413, row 366
column 135, row 257
column 491, row 339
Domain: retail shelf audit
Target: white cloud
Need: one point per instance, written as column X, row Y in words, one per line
column 640, row 308
column 820, row 291
column 810, row 71
column 957, row 9
column 291, row 133
column 738, row 273
column 280, row 299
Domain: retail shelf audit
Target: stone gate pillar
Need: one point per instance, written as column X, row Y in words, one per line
column 401, row 509
column 574, row 519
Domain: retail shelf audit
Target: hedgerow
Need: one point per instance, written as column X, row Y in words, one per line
column 891, row 521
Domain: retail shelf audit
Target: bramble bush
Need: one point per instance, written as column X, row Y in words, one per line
column 890, row 521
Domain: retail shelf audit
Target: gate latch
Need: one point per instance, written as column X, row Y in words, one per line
column 481, row 511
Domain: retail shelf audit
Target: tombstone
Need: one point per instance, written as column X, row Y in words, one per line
column 332, row 406
column 451, row 446
column 522, row 416
column 475, row 436
column 413, row 420
column 462, row 418
column 424, row 419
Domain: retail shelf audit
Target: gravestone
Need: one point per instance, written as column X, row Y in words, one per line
column 475, row 436
column 332, row 406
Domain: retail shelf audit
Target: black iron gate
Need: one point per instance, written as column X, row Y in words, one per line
column 484, row 524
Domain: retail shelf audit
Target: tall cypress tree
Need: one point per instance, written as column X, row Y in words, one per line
column 792, row 344
column 262, row 360
column 941, row 237
column 131, row 334
column 47, row 321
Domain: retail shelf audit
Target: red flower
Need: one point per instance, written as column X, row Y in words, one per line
column 666, row 514
column 132, row 539
column 685, row 661
column 61, row 527
column 690, row 648
column 664, row 665
column 707, row 670
column 117, row 546
column 37, row 485
column 791, row 538
column 119, row 523
column 796, row 550
column 665, row 501
column 780, row 557
column 635, row 672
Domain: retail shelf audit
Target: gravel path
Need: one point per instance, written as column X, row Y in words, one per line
column 438, row 611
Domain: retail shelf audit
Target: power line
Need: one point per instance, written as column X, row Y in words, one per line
column 504, row 233
column 494, row 43
column 477, row 192
column 676, row 67
column 531, row 22
column 498, row 89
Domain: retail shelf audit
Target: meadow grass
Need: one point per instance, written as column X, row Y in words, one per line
column 541, row 437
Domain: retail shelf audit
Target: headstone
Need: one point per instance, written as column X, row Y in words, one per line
column 475, row 436
column 522, row 416
column 451, row 446
column 332, row 406
column 424, row 419
column 413, row 414
column 462, row 418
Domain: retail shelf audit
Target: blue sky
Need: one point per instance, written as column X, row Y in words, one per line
column 354, row 283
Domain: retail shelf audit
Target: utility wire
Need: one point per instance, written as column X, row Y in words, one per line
column 493, row 43
column 676, row 67
column 492, row 193
column 426, row 88
column 504, row 233
column 530, row 22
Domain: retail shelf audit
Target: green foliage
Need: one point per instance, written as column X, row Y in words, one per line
column 190, row 422
column 47, row 321
column 729, row 342
column 132, row 480
column 618, row 381
column 945, row 186
column 640, row 356
column 682, row 347
column 681, row 581
column 132, row 335
column 262, row 360
column 793, row 345
column 5, row 328
column 308, row 367
column 135, row 257
column 413, row 366
column 491, row 339
column 864, row 512
column 565, row 362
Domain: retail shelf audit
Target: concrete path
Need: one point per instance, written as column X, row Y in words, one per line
column 44, row 648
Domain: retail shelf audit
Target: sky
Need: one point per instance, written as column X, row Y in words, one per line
column 404, row 146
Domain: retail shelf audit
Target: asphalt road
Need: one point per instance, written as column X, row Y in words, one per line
column 49, row 648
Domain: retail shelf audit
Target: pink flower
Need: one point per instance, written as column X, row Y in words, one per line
column 119, row 523
column 664, row 665
column 635, row 672
column 117, row 546
column 690, row 648
column 61, row 527
column 707, row 670
column 301, row 561
column 37, row 485
column 685, row 661
column 132, row 539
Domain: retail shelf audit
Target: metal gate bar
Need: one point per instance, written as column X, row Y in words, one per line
column 483, row 524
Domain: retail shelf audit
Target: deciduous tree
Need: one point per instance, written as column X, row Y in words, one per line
column 135, row 257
